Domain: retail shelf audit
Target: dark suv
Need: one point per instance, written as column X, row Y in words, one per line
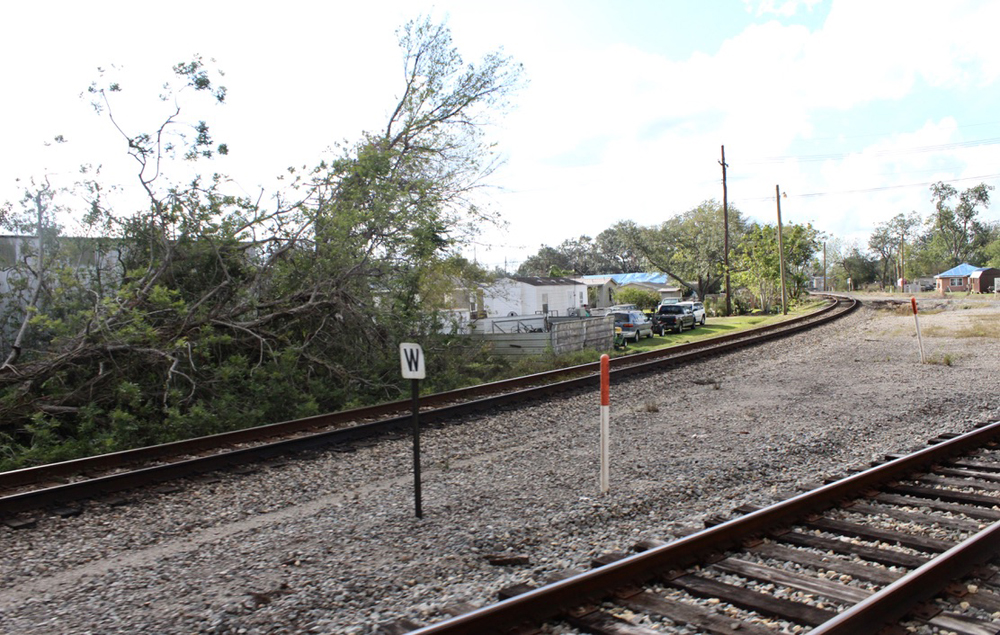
column 672, row 317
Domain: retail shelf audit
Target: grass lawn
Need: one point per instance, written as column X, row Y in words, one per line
column 715, row 326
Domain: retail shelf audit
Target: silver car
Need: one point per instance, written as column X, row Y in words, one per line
column 634, row 324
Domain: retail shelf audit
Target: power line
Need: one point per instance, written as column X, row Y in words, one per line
column 879, row 189
column 807, row 158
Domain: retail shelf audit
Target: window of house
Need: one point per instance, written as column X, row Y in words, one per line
column 955, row 282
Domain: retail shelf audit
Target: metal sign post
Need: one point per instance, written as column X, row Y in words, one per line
column 411, row 360
column 916, row 321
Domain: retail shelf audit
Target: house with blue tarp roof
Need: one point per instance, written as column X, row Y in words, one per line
column 659, row 283
column 956, row 278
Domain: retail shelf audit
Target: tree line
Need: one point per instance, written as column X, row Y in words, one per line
column 690, row 249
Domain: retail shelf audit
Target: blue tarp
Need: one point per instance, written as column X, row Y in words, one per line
column 626, row 278
column 961, row 270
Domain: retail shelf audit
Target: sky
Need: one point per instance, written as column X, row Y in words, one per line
column 851, row 108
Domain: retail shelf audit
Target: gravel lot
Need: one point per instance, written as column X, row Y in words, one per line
column 330, row 544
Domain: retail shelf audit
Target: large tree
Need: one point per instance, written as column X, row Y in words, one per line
column 757, row 267
column 611, row 252
column 689, row 247
column 231, row 310
column 857, row 265
column 956, row 234
column 892, row 244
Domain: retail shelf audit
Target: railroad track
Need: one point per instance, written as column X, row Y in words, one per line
column 63, row 486
column 905, row 546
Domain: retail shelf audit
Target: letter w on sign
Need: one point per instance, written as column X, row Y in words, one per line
column 411, row 360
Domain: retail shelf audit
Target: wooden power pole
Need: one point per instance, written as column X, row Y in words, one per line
column 824, row 267
column 725, row 225
column 781, row 252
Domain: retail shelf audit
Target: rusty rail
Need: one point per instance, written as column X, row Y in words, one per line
column 544, row 384
column 549, row 601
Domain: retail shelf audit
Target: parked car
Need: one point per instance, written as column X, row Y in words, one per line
column 672, row 317
column 633, row 324
column 698, row 308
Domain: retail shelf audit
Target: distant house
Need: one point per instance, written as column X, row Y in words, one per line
column 530, row 316
column 520, row 297
column 986, row 280
column 600, row 290
column 956, row 278
column 646, row 281
column 659, row 283
column 535, row 296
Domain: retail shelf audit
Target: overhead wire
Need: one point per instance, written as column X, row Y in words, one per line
column 877, row 189
column 807, row 158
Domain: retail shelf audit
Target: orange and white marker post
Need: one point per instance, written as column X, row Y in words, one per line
column 920, row 342
column 605, row 418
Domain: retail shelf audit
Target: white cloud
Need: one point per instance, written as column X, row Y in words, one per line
column 785, row 8
column 606, row 130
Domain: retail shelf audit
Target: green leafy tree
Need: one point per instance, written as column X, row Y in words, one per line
column 224, row 310
column 892, row 243
column 544, row 262
column 609, row 253
column 642, row 298
column 690, row 247
column 616, row 252
column 858, row 266
column 992, row 250
column 955, row 233
column 758, row 268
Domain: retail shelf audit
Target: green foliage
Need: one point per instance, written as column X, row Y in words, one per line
column 208, row 311
column 758, row 268
column 645, row 300
column 992, row 251
column 955, row 233
column 690, row 247
column 952, row 234
column 610, row 252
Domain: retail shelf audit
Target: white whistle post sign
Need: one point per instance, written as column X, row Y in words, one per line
column 411, row 358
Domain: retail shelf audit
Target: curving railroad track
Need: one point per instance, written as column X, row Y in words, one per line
column 905, row 546
column 64, row 486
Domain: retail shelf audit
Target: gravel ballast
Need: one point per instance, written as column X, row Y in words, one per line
column 328, row 543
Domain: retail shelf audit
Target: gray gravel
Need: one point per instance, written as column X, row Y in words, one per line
column 330, row 544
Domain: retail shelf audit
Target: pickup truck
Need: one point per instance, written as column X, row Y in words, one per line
column 672, row 317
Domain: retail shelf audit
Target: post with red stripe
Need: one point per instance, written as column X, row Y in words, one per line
column 605, row 418
column 920, row 342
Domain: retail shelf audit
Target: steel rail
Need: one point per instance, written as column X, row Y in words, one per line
column 112, row 483
column 898, row 599
column 549, row 601
column 24, row 476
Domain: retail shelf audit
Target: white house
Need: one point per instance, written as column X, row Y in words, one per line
column 523, row 296
column 600, row 290
column 520, row 299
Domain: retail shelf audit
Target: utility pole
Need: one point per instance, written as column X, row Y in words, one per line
column 781, row 252
column 824, row 268
column 725, row 224
column 902, row 264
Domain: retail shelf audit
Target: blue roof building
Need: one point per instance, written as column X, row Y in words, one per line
column 956, row 278
column 964, row 269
